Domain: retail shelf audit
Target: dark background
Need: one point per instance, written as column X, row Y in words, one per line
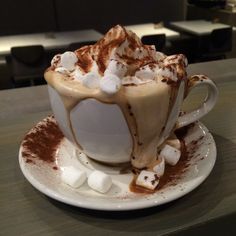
column 31, row 16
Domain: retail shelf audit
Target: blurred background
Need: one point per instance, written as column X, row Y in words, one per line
column 32, row 32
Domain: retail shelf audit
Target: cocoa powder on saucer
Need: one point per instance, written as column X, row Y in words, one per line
column 42, row 142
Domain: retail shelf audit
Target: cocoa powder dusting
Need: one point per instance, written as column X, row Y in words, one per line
column 172, row 173
column 41, row 143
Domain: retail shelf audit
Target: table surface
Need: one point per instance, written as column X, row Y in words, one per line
column 151, row 28
column 198, row 27
column 48, row 40
column 211, row 207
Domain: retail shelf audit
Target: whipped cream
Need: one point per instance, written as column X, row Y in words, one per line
column 121, row 58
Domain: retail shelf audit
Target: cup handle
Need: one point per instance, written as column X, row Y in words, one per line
column 206, row 106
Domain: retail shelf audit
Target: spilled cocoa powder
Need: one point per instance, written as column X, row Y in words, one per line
column 42, row 141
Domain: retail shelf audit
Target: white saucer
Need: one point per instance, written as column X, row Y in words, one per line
column 47, row 180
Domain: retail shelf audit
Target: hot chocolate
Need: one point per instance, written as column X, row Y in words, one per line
column 145, row 84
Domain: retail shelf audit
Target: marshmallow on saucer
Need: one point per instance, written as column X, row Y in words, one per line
column 68, row 60
column 116, row 68
column 73, row 177
column 171, row 154
column 110, row 84
column 91, row 80
column 159, row 167
column 147, row 179
column 99, row 181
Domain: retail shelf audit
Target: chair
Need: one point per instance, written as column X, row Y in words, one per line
column 28, row 64
column 215, row 45
column 76, row 45
column 221, row 40
column 5, row 76
column 184, row 44
column 159, row 40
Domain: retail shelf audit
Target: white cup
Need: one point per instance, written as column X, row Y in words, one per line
column 101, row 128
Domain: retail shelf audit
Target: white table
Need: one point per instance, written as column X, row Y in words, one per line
column 198, row 27
column 48, row 40
column 151, row 28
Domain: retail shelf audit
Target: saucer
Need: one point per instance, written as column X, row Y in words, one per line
column 43, row 171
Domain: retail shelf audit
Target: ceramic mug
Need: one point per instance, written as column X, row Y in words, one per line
column 101, row 128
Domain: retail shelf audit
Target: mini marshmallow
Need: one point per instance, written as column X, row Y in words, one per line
column 176, row 59
column 147, row 179
column 116, row 68
column 159, row 168
column 174, row 143
column 73, row 177
column 91, row 80
column 152, row 47
column 62, row 70
column 160, row 56
column 55, row 60
column 171, row 154
column 68, row 60
column 110, row 84
column 99, row 181
column 146, row 73
column 139, row 53
column 168, row 72
column 152, row 52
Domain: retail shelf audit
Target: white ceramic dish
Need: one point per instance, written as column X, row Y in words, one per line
column 47, row 180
